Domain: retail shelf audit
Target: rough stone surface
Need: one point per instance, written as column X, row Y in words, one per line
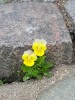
column 64, row 90
column 21, row 23
column 40, row 0
column 30, row 90
column 70, row 8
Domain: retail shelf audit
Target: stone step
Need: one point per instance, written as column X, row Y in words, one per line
column 64, row 90
column 32, row 90
column 21, row 23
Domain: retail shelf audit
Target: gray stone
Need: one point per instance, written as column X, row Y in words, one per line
column 70, row 8
column 40, row 0
column 21, row 23
column 64, row 90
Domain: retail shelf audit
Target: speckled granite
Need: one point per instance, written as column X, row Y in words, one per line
column 64, row 90
column 21, row 23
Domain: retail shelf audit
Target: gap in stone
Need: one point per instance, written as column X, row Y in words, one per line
column 69, row 23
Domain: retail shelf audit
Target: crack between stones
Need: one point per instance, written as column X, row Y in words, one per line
column 68, row 21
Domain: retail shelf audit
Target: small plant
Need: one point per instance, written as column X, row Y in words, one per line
column 1, row 82
column 34, row 62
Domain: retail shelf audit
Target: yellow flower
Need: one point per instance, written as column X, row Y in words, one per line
column 29, row 58
column 33, row 57
column 28, row 62
column 39, row 53
column 39, row 47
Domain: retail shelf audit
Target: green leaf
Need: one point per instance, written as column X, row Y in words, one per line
column 35, row 73
column 26, row 77
column 43, row 69
column 24, row 68
column 30, row 70
column 48, row 64
column 40, row 61
column 48, row 74
column 39, row 76
column 1, row 82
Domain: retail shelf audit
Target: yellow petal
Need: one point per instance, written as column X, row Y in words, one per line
column 35, row 46
column 33, row 57
column 39, row 53
column 25, row 56
column 43, row 41
column 39, row 44
column 29, row 63
column 43, row 47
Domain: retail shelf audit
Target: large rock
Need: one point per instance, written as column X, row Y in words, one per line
column 70, row 8
column 21, row 23
column 64, row 90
